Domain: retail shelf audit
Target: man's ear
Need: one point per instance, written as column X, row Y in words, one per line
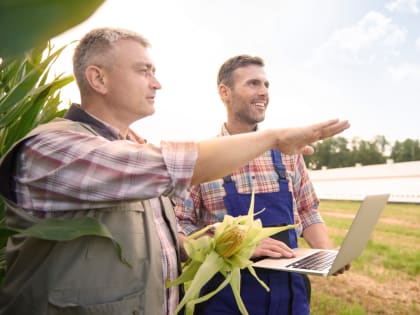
column 224, row 91
column 95, row 76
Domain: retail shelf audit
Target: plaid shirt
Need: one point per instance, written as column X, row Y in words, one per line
column 66, row 170
column 205, row 205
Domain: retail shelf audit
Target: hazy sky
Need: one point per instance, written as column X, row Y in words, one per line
column 351, row 59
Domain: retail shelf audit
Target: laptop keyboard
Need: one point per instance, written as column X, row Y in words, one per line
column 317, row 261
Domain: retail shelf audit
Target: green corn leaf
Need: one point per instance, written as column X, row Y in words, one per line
column 191, row 304
column 268, row 231
column 240, row 260
column 187, row 275
column 205, row 272
column 198, row 249
column 66, row 230
column 252, row 271
column 6, row 232
column 25, row 88
column 200, row 232
column 236, row 289
column 25, row 24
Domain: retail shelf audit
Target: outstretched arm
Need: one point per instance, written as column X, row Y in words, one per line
column 220, row 156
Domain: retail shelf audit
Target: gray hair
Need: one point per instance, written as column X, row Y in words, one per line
column 95, row 46
column 229, row 66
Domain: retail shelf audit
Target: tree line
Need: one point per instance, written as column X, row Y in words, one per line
column 339, row 152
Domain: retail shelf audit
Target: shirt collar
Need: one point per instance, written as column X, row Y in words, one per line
column 225, row 131
column 76, row 113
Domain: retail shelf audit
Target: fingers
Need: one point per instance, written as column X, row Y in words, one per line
column 297, row 140
column 342, row 270
column 331, row 128
column 325, row 130
column 308, row 150
column 270, row 247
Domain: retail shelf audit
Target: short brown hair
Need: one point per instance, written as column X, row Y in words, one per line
column 95, row 45
column 230, row 65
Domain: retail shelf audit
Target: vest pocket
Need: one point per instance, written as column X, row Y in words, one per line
column 130, row 305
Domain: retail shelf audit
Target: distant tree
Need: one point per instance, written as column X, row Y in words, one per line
column 339, row 152
column 368, row 152
column 408, row 150
column 382, row 144
column 332, row 153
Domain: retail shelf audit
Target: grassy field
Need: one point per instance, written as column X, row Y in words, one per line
column 385, row 279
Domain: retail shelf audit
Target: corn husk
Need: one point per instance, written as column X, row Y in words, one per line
column 227, row 252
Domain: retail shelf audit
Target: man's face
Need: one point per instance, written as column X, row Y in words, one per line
column 248, row 98
column 131, row 82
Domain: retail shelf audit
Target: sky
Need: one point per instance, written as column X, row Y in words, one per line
column 350, row 59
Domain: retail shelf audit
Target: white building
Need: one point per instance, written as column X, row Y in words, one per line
column 401, row 180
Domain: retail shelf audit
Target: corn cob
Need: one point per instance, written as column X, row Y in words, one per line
column 227, row 252
column 230, row 241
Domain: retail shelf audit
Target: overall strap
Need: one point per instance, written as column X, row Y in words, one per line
column 227, row 179
column 278, row 164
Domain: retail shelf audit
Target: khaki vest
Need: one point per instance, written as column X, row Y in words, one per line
column 85, row 276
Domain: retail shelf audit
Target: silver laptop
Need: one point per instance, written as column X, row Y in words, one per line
column 327, row 262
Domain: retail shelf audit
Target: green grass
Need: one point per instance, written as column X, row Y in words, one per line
column 328, row 305
column 385, row 279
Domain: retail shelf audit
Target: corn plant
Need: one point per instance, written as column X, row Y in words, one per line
column 28, row 97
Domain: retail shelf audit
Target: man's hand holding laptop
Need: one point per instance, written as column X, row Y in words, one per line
column 273, row 248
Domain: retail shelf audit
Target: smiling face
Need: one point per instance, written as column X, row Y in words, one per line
column 247, row 98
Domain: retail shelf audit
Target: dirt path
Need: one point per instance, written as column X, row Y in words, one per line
column 397, row 298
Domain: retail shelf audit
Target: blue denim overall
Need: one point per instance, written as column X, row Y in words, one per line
column 288, row 294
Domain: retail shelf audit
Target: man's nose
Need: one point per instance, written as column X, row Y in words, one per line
column 155, row 83
column 263, row 90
